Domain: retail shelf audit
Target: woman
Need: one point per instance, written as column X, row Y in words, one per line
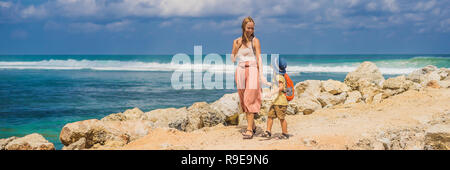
column 248, row 74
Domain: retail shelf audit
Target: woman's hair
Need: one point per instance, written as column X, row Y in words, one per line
column 246, row 39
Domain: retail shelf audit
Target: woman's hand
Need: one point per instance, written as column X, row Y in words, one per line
column 264, row 80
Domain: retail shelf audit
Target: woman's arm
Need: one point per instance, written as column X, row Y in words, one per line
column 275, row 91
column 234, row 50
column 257, row 47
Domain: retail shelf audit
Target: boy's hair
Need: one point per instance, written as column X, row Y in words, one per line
column 282, row 64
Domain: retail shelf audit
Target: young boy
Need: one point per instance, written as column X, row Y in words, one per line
column 280, row 103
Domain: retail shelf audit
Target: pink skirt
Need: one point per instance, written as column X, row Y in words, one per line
column 248, row 85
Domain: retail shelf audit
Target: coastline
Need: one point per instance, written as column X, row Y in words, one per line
column 323, row 115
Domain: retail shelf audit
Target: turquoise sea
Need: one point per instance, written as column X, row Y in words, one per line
column 41, row 93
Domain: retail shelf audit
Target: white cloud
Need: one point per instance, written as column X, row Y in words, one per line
column 333, row 13
column 84, row 27
column 34, row 12
column 153, row 8
column 436, row 11
column 425, row 6
column 225, row 24
column 445, row 25
column 228, row 14
column 352, row 3
column 300, row 25
column 119, row 26
column 395, row 19
column 391, row 5
column 414, row 17
column 77, row 8
column 372, row 6
column 5, row 4
column 166, row 24
column 90, row 27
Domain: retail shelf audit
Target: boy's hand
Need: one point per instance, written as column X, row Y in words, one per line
column 280, row 86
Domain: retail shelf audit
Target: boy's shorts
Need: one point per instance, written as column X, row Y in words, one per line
column 277, row 111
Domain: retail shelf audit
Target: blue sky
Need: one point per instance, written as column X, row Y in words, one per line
column 175, row 26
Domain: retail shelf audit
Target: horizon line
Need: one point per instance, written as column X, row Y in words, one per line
column 263, row 53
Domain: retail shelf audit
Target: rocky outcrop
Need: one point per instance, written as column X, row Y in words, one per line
column 130, row 114
column 431, row 76
column 437, row 137
column 367, row 73
column 433, row 84
column 209, row 116
column 115, row 130
column 366, row 79
column 430, row 135
column 396, row 85
column 377, row 98
column 328, row 99
column 424, row 75
column 201, row 114
column 403, row 139
column 228, row 105
column 334, row 87
column 309, row 87
column 305, row 104
column 305, row 100
column 4, row 142
column 78, row 145
column 118, row 129
column 93, row 133
column 163, row 117
column 353, row 97
column 444, row 83
column 33, row 141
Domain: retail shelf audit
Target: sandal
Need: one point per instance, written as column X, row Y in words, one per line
column 266, row 134
column 254, row 131
column 284, row 136
column 248, row 136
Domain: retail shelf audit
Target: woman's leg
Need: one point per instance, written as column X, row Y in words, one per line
column 250, row 123
column 254, row 124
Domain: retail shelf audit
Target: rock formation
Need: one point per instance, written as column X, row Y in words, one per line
column 32, row 141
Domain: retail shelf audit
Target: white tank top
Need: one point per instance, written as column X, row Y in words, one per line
column 246, row 54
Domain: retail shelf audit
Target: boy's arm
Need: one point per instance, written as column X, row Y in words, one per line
column 275, row 91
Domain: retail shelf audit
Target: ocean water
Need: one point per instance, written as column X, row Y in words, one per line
column 42, row 93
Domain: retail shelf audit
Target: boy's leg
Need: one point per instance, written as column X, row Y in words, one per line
column 281, row 114
column 269, row 124
column 283, row 123
column 270, row 117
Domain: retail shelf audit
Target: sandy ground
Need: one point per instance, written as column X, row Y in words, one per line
column 331, row 128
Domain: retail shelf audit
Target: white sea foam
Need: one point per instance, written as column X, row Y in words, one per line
column 115, row 65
